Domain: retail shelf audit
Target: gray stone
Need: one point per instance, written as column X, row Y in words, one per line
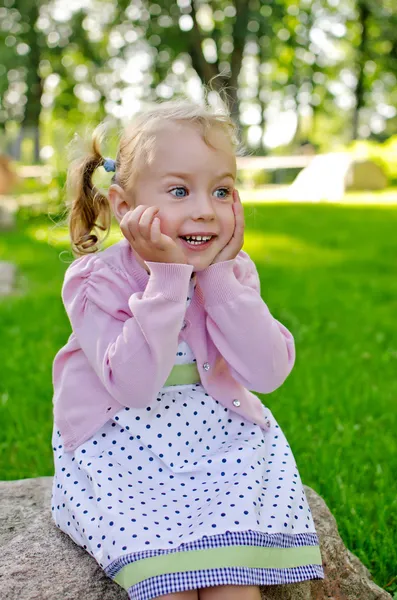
column 365, row 175
column 7, row 219
column 7, row 278
column 40, row 562
column 328, row 176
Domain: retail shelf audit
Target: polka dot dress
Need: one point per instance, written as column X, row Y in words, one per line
column 158, row 484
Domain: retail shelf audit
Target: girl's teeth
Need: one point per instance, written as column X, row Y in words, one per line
column 197, row 240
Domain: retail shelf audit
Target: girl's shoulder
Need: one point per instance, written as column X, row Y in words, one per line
column 116, row 259
column 110, row 271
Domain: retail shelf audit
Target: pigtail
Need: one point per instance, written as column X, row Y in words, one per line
column 89, row 208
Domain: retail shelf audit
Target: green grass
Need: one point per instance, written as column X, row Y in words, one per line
column 328, row 272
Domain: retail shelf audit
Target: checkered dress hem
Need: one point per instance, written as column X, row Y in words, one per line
column 167, row 583
column 192, row 580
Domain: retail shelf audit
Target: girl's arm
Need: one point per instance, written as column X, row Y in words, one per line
column 130, row 338
column 258, row 349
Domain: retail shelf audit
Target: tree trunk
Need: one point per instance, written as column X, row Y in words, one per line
column 363, row 17
column 239, row 36
column 207, row 71
column 15, row 146
column 32, row 132
column 31, row 119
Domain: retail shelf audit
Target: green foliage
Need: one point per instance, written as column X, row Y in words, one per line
column 293, row 56
column 29, row 186
column 252, row 179
column 57, row 190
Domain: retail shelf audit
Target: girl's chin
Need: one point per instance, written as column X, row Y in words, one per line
column 200, row 265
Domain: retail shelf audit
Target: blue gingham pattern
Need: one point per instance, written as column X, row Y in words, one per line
column 175, row 582
column 194, row 580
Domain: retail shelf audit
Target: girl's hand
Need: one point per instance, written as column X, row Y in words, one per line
column 141, row 227
column 236, row 242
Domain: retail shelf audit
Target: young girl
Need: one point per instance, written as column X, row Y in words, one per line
column 169, row 471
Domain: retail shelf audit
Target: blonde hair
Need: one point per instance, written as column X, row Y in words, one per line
column 89, row 208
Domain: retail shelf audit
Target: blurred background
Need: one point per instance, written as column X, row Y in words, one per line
column 312, row 86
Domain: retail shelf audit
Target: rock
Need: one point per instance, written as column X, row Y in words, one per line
column 323, row 179
column 8, row 179
column 365, row 175
column 346, row 578
column 328, row 176
column 40, row 562
column 7, row 219
column 7, row 278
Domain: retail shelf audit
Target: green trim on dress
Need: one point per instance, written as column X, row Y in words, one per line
column 254, row 557
column 183, row 374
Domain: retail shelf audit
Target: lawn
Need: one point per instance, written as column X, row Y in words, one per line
column 328, row 272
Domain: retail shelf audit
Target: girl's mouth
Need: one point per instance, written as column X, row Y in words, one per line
column 192, row 243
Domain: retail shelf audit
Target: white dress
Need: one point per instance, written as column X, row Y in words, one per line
column 186, row 494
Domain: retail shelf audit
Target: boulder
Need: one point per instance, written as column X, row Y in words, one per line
column 40, row 562
column 7, row 278
column 365, row 175
column 7, row 218
column 328, row 176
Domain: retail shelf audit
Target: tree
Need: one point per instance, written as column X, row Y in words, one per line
column 24, row 52
column 364, row 14
column 36, row 48
column 212, row 34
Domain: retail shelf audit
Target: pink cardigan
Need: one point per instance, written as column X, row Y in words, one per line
column 127, row 325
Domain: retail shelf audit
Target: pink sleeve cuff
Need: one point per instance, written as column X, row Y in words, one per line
column 219, row 283
column 171, row 280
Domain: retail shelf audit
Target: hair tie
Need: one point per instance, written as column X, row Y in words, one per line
column 109, row 165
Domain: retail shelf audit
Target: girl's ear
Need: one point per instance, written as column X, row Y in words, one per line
column 118, row 201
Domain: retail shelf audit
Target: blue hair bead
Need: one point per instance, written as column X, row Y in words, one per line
column 109, row 165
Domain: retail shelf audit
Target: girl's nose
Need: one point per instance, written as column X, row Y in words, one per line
column 203, row 207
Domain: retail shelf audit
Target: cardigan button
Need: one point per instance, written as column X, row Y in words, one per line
column 206, row 366
column 236, row 402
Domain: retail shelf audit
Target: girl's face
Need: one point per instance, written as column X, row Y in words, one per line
column 192, row 184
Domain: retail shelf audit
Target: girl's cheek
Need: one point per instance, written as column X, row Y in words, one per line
column 165, row 224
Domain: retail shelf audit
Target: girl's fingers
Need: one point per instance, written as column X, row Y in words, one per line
column 132, row 220
column 239, row 225
column 238, row 207
column 146, row 220
column 240, row 214
column 155, row 232
column 236, row 196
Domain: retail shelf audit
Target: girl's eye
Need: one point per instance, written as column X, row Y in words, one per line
column 224, row 192
column 179, row 192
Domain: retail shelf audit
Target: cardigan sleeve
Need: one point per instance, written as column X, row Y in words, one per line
column 129, row 337
column 258, row 349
